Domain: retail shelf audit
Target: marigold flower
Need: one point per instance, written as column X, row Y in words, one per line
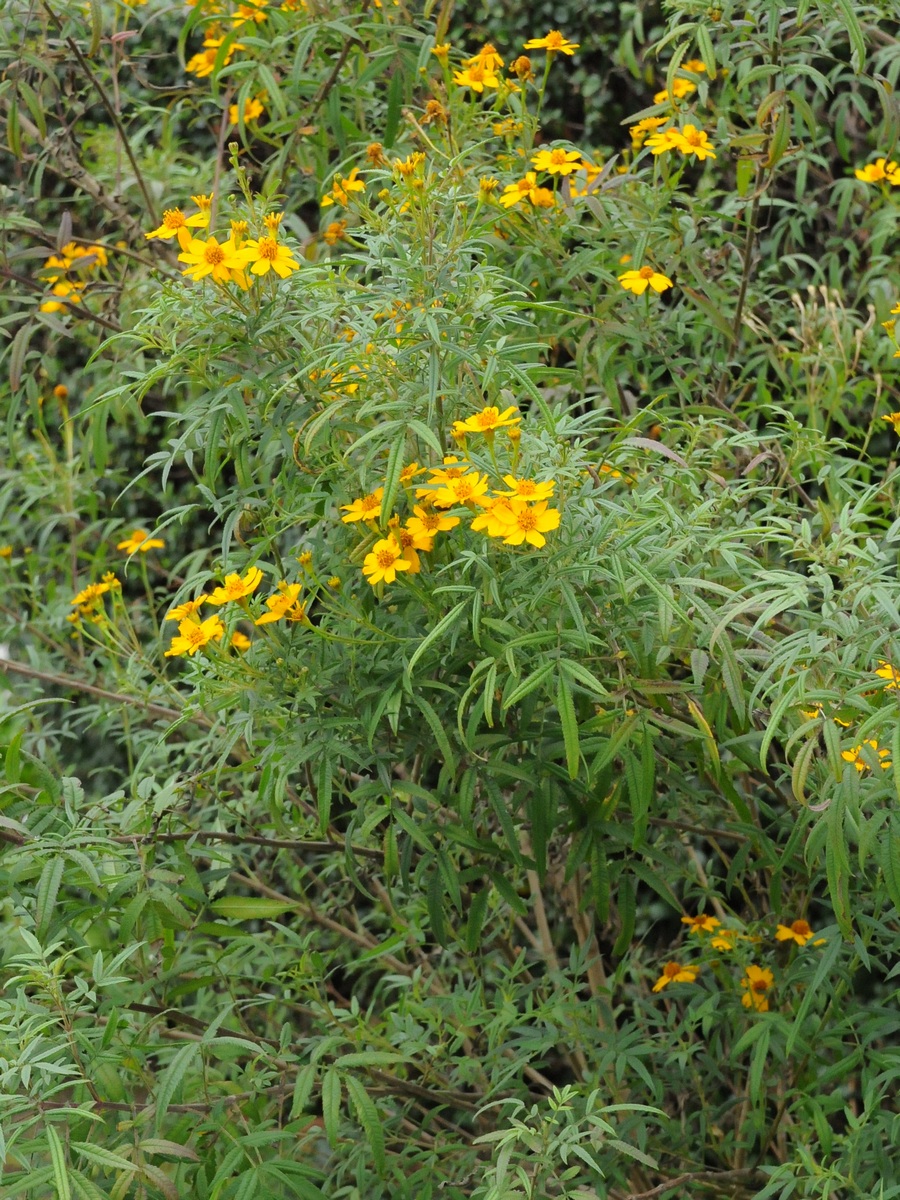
column 640, row 131
column 756, row 983
column 464, row 489
column 855, row 755
column 476, row 77
column 526, row 188
column 702, row 923
column 284, row 603
column 173, row 222
column 487, row 186
column 526, row 522
column 240, row 641
column 267, row 254
column 554, row 43
column 452, row 468
column 409, row 165
column 341, row 188
column 493, row 519
column 335, row 232
column 490, row 419
column 409, row 472
column 557, row 161
column 487, row 57
column 375, row 154
column 140, row 540
column 886, row 671
column 425, row 524
column 407, row 541
column 528, row 489
column 894, row 419
column 305, row 559
column 798, row 931
column 441, row 51
column 235, row 588
column 366, row 508
column 91, row 594
column 878, row 170
column 67, row 293
column 725, row 939
column 680, row 89
column 211, row 258
column 521, row 67
column 187, row 609
column 674, row 972
column 385, row 560
column 638, row 281
column 434, row 111
column 334, row 582
column 696, row 65
column 194, row 635
column 252, row 109
column 692, row 140
column 663, row 140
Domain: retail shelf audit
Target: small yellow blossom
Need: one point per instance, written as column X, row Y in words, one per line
column 756, row 983
column 643, row 128
column 663, row 140
column 486, row 57
column 284, row 603
column 489, row 420
column 91, row 594
column 724, row 939
column 194, row 635
column 212, row 258
column 886, row 671
column 187, row 609
column 385, row 560
column 252, row 109
column 879, row 170
column 6, row 551
column 334, row 232
column 680, row 89
column 305, row 559
column 527, row 522
column 638, row 281
column 434, row 111
column 696, row 65
column 463, row 489
column 240, row 641
column 798, row 931
column 67, row 293
column 61, row 392
column 692, row 140
column 554, row 43
column 557, row 161
column 441, row 52
column 674, row 972
column 702, row 923
column 342, row 187
column 528, row 489
column 424, row 524
column 174, row 224
column 894, row 419
column 494, row 517
column 855, row 755
column 267, row 254
column 477, row 78
column 521, row 68
column 235, row 588
column 366, row 508
column 409, row 165
column 140, row 540
column 334, row 583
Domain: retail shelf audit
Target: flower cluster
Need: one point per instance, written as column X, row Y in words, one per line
column 68, row 272
column 688, row 140
column 515, row 514
column 88, row 603
column 880, row 171
column 230, row 260
column 757, row 981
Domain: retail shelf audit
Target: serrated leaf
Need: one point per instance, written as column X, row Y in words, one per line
column 331, row 1105
column 369, row 1119
column 172, row 1077
column 250, row 908
column 566, row 708
column 58, row 1162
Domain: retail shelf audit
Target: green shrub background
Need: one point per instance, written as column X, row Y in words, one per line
column 396, row 902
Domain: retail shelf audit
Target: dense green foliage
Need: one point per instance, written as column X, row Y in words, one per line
column 567, row 865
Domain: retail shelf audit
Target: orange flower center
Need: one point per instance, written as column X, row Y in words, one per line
column 646, row 272
column 486, row 420
column 370, row 503
column 196, row 636
column 802, row 928
column 526, row 520
column 405, row 538
column 670, row 970
column 758, row 985
column 385, row 558
column 694, row 137
column 526, row 487
column 173, row 218
column 463, row 489
column 268, row 249
column 214, row 255
column 557, row 157
column 431, row 521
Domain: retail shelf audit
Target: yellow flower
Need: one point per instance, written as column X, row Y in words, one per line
column 696, row 65
column 434, row 111
column 476, row 77
column 487, row 57
column 797, row 931
column 341, row 188
column 490, row 419
column 724, row 939
column 528, row 489
column 702, row 923
column 174, row 224
column 187, row 609
column 425, row 524
column 644, row 127
column 410, row 544
column 140, row 540
column 283, row 603
column 494, row 519
column 638, row 281
column 674, row 972
column 409, row 472
column 886, row 671
column 663, row 140
column 554, row 43
column 385, row 560
column 366, row 508
column 68, row 293
column 335, row 232
column 409, row 165
column 194, row 635
column 453, row 468
column 235, row 588
column 463, row 489
column 240, row 641
column 375, row 154
column 252, row 110
column 305, row 559
column 267, row 254
column 211, row 258
column 523, row 189
column 334, row 582
column 557, row 161
column 527, row 523
column 680, row 89
column 694, row 141
column 200, row 219
column 894, row 419
column 61, row 392
column 441, row 51
column 878, row 170
column 91, row 594
column 854, row 755
column 756, row 983
column 6, row 551
column 521, row 67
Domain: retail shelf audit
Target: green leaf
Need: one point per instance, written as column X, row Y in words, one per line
column 250, row 908
column 369, row 1119
column 566, row 707
column 47, row 891
column 331, row 1105
column 58, row 1161
column 172, row 1077
column 392, row 477
column 445, row 623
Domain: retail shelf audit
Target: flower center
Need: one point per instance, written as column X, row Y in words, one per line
column 385, row 558
column 557, row 157
column 527, row 520
column 526, row 487
column 758, row 985
column 486, row 420
column 646, row 272
column 692, row 136
column 554, row 40
column 370, row 503
column 196, row 636
column 463, row 489
column 214, row 255
column 268, row 248
column 173, row 218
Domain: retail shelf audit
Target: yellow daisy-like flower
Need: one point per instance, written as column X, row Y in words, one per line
column 441, row 52
column 692, row 140
column 334, row 232
column 526, row 522
column 477, row 77
column 240, row 641
column 521, row 68
column 453, row 468
column 797, row 931
column 891, row 674
column 68, row 293
column 674, row 972
column 200, row 219
column 756, row 983
column 490, row 419
column 663, row 140
column 181, row 611
column 855, row 755
column 527, row 189
column 554, row 43
column 366, row 508
column 173, row 222
column 266, row 254
column 879, row 170
column 194, row 635
column 493, row 519
column 385, row 560
column 211, row 258
column 641, row 131
column 252, row 109
column 696, row 65
column 6, row 551
column 557, row 161
column 425, row 524
column 702, row 923
column 680, row 89
column 236, row 588
column 140, row 540
column 91, row 594
column 342, row 187
column 894, row 419
column 486, row 57
column 284, row 603
column 409, row 472
column 638, row 281
column 724, row 939
column 528, row 489
column 465, row 489
column 410, row 545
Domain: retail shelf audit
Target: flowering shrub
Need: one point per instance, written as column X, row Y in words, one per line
column 450, row 616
